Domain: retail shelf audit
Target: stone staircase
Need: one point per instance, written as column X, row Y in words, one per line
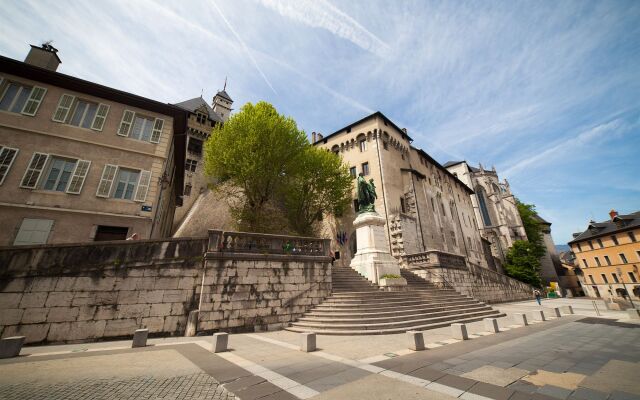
column 358, row 307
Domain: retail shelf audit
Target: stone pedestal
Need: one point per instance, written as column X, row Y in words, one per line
column 372, row 259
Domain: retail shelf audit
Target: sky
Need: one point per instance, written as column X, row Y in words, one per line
column 546, row 91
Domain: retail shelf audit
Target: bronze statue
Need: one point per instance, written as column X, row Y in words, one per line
column 366, row 195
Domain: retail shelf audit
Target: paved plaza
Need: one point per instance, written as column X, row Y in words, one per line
column 577, row 356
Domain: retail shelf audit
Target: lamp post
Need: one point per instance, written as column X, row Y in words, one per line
column 619, row 271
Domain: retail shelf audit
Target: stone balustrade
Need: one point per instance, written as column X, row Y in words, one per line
column 260, row 243
column 435, row 258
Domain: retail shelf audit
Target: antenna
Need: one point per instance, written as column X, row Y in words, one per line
column 225, row 83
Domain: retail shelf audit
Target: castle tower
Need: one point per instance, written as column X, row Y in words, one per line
column 222, row 103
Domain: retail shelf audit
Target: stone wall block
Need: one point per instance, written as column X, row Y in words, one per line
column 86, row 330
column 176, row 296
column 86, row 313
column 43, row 284
column 154, row 324
column 11, row 316
column 63, row 314
column 85, row 283
column 105, row 298
column 160, row 310
column 187, row 282
column 59, row 332
column 178, row 309
column 172, row 272
column 34, row 315
column 65, row 284
column 133, row 311
column 15, row 285
column 10, row 300
column 86, row 298
column 150, row 296
column 105, row 312
column 59, row 299
column 34, row 333
column 32, row 300
column 128, row 297
column 120, row 327
column 174, row 324
column 166, row 283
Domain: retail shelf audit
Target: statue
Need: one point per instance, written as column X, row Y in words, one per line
column 366, row 195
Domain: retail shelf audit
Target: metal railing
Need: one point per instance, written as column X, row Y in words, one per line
column 260, row 243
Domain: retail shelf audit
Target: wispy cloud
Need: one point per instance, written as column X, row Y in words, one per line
column 322, row 14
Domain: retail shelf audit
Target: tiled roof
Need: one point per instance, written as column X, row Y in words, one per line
column 197, row 102
column 619, row 223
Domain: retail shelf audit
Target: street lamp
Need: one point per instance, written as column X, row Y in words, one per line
column 619, row 271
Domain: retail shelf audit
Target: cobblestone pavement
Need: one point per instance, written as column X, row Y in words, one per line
column 192, row 387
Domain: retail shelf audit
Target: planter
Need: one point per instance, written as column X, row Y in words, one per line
column 393, row 284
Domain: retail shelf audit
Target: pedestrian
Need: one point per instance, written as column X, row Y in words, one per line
column 537, row 294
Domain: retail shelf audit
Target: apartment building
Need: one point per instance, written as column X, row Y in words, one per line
column 608, row 255
column 80, row 161
column 425, row 206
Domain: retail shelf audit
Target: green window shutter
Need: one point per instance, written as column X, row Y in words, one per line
column 125, row 124
column 100, row 118
column 78, row 176
column 35, row 98
column 64, row 106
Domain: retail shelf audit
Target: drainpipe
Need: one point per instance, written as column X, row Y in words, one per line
column 378, row 136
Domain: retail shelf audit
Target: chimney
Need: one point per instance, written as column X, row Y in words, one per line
column 319, row 136
column 613, row 213
column 404, row 130
column 313, row 137
column 45, row 56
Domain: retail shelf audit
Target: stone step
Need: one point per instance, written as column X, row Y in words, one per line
column 379, row 293
column 408, row 310
column 375, row 307
column 357, row 319
column 394, row 299
column 399, row 326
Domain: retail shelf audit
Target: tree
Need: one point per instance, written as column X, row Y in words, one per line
column 523, row 258
column 322, row 185
column 274, row 179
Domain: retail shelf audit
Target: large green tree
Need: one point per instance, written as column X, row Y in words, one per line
column 274, row 179
column 523, row 258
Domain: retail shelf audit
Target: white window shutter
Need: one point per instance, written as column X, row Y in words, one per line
column 64, row 106
column 34, row 170
column 78, row 176
column 7, row 157
column 106, row 181
column 157, row 130
column 143, row 186
column 35, row 98
column 101, row 116
column 125, row 124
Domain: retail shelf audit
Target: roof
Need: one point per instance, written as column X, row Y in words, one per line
column 224, row 95
column 368, row 117
column 197, row 102
column 34, row 73
column 541, row 220
column 619, row 223
column 443, row 169
column 451, row 163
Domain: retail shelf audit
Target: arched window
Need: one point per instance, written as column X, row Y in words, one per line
column 483, row 206
column 335, row 149
column 362, row 142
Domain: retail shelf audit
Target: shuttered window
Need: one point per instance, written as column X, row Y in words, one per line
column 143, row 186
column 19, row 98
column 32, row 105
column 101, row 116
column 34, row 170
column 106, row 181
column 7, row 156
column 125, row 124
column 64, row 106
column 79, row 176
column 157, row 130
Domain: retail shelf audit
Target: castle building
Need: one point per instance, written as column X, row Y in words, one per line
column 426, row 207
column 495, row 210
column 82, row 162
column 608, row 255
column 201, row 121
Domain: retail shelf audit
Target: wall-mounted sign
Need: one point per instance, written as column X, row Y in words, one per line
column 146, row 208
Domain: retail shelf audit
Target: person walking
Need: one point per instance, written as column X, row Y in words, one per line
column 537, row 294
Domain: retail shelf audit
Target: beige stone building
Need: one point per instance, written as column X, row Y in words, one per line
column 202, row 119
column 82, row 162
column 494, row 205
column 608, row 255
column 425, row 206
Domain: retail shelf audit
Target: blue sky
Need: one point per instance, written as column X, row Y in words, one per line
column 547, row 91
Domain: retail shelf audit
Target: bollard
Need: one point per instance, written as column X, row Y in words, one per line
column 556, row 312
column 140, row 338
column 416, row 340
column 569, row 309
column 491, row 324
column 219, row 342
column 539, row 315
column 192, row 323
column 633, row 313
column 520, row 319
column 11, row 346
column 459, row 331
column 308, row 342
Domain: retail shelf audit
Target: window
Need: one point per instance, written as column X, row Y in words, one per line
column 631, row 236
column 130, row 184
column 85, row 114
column 353, row 172
column 433, row 205
column 104, row 232
column 24, row 99
column 615, row 239
column 7, row 156
column 33, row 231
column 598, row 262
column 356, row 206
column 579, row 247
column 590, row 244
column 615, row 278
column 483, row 206
column 385, row 145
column 201, row 118
column 140, row 127
column 591, row 279
column 187, row 190
column 363, row 145
column 194, row 146
column 632, row 277
column 604, row 278
column 58, row 174
column 365, row 168
column 190, row 165
column 444, row 213
column 623, row 258
column 584, row 261
column 403, row 208
column 606, row 258
column 600, row 243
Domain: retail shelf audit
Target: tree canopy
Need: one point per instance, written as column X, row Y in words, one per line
column 523, row 258
column 275, row 180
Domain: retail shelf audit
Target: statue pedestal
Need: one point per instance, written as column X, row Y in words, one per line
column 372, row 259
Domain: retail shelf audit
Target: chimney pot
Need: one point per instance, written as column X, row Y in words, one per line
column 613, row 213
column 45, row 56
column 320, row 137
column 313, row 137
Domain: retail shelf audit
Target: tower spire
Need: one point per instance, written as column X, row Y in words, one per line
column 225, row 83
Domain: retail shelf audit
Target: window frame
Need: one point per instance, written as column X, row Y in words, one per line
column 10, row 163
column 615, row 240
column 365, row 168
column 128, row 121
column 30, row 100
column 623, row 258
column 106, row 188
